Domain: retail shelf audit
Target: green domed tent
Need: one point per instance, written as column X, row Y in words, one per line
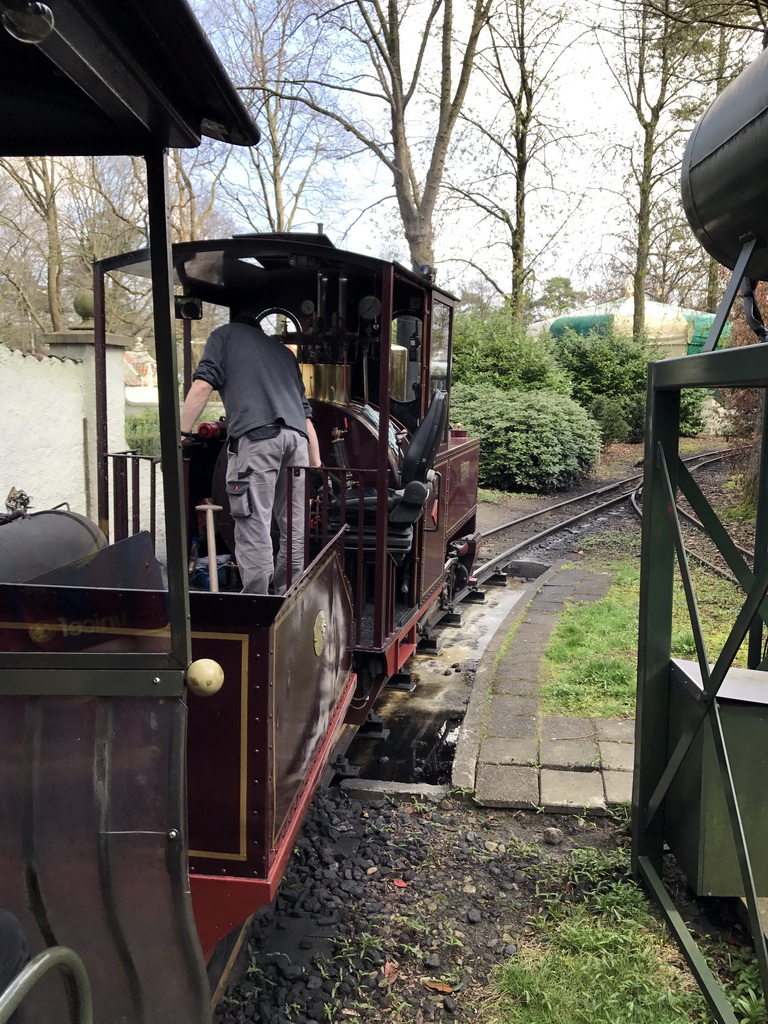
column 676, row 330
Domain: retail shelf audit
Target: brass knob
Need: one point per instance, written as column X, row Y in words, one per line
column 204, row 677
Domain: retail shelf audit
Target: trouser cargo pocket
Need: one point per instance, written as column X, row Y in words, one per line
column 239, row 498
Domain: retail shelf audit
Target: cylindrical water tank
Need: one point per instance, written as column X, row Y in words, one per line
column 35, row 544
column 724, row 171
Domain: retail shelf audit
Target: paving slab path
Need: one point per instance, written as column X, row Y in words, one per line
column 509, row 754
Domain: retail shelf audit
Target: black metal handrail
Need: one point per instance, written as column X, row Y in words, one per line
column 124, row 523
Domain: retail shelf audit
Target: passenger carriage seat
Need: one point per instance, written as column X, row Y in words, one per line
column 406, row 504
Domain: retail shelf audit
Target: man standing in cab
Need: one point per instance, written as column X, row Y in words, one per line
column 270, row 430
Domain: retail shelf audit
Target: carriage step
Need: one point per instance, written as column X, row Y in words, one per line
column 427, row 645
column 402, row 682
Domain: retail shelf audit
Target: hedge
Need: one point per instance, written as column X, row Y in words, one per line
column 528, row 440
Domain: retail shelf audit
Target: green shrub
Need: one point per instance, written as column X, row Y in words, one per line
column 496, row 351
column 692, row 411
column 142, row 432
column 603, row 364
column 609, row 380
column 621, row 420
column 535, row 440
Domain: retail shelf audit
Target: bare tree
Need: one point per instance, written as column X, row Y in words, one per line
column 23, row 302
column 655, row 69
column 405, row 65
column 195, row 179
column 519, row 70
column 37, row 179
column 103, row 212
column 669, row 62
column 268, row 47
column 743, row 16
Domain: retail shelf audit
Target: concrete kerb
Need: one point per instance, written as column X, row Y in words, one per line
column 468, row 745
column 374, row 789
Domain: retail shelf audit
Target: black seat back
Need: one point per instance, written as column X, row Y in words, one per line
column 420, row 457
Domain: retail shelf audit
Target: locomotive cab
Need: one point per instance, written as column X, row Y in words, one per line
column 388, row 540
column 373, row 340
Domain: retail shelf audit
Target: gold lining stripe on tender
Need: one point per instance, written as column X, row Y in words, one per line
column 243, row 638
column 60, row 627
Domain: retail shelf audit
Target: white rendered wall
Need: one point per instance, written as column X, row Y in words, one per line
column 42, row 442
column 48, row 412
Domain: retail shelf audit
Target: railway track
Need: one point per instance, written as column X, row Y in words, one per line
column 547, row 521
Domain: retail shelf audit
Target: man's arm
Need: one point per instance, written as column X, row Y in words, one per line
column 313, row 446
column 194, row 403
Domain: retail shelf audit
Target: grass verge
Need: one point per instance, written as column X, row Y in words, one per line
column 590, row 666
column 598, row 957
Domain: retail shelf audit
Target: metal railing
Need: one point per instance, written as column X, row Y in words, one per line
column 326, row 513
column 125, row 520
column 67, row 961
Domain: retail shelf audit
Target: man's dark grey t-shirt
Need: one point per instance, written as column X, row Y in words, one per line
column 258, row 378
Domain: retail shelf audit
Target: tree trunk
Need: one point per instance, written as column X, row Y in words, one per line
column 519, row 270
column 643, row 229
column 420, row 238
column 53, row 238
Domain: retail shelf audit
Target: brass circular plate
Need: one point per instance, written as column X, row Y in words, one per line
column 318, row 632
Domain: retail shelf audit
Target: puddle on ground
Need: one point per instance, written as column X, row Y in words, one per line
column 419, row 750
column 424, row 725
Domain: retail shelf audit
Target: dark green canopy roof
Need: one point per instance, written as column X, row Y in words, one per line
column 116, row 76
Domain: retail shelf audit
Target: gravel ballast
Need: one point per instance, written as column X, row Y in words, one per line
column 397, row 911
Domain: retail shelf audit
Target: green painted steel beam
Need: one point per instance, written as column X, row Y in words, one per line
column 685, row 572
column 88, row 661
column 745, row 367
column 655, row 619
column 761, row 539
column 32, row 682
column 718, row 534
column 742, row 850
column 158, row 205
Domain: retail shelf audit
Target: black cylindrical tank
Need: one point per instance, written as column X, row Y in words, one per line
column 724, row 171
column 35, row 544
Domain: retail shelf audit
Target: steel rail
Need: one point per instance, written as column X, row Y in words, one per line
column 693, row 521
column 693, row 554
column 707, row 457
column 483, row 571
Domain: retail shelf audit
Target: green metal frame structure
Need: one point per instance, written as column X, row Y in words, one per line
column 660, row 749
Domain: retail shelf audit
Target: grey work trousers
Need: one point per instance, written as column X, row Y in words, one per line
column 265, row 465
